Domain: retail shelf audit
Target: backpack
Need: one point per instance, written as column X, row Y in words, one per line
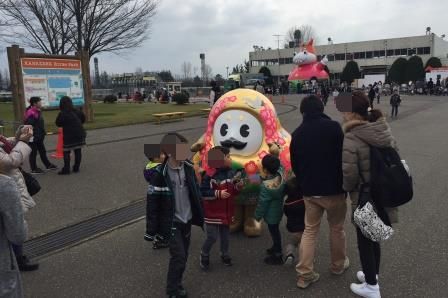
column 390, row 182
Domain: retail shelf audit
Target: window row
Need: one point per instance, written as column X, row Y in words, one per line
column 352, row 56
column 271, row 62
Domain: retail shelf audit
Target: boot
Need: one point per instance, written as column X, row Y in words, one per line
column 25, row 264
column 66, row 169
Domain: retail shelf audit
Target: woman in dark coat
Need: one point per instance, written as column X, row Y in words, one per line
column 71, row 121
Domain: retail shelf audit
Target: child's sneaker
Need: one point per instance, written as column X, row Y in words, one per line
column 226, row 260
column 37, row 171
column 270, row 251
column 274, row 260
column 289, row 260
column 204, row 262
column 159, row 242
column 148, row 237
column 52, row 167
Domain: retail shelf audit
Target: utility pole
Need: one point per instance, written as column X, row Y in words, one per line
column 278, row 50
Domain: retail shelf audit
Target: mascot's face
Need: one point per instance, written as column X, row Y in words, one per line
column 239, row 131
column 304, row 57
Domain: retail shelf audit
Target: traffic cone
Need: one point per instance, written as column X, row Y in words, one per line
column 60, row 146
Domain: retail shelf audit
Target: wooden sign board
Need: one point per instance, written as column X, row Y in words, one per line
column 49, row 77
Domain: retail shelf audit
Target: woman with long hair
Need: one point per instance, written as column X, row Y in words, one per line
column 363, row 128
column 71, row 120
column 33, row 116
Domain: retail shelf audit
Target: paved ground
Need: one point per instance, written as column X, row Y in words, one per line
column 121, row 264
column 111, row 173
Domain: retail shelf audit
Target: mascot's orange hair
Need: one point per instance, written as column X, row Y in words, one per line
column 309, row 47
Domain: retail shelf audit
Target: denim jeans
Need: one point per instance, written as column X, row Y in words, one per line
column 213, row 232
column 178, row 247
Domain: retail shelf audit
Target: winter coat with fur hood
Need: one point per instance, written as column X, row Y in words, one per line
column 359, row 135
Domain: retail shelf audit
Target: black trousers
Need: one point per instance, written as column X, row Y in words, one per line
column 179, row 245
column 394, row 111
column 276, row 238
column 78, row 157
column 370, row 255
column 38, row 147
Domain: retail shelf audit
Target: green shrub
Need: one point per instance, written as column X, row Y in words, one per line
column 110, row 99
column 180, row 98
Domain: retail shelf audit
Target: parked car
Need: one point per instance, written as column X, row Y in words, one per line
column 404, row 88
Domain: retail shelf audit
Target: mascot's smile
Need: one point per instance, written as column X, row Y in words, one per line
column 233, row 143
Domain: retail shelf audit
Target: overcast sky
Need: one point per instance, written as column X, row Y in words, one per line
column 226, row 30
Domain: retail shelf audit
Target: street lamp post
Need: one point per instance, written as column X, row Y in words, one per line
column 227, row 68
column 278, row 61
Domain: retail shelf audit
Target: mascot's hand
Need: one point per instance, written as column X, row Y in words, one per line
column 199, row 145
column 274, row 149
column 324, row 60
column 196, row 147
column 240, row 184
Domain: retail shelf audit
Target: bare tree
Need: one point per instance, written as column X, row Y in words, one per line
column 307, row 32
column 186, row 70
column 207, row 72
column 111, row 26
column 39, row 24
column 63, row 26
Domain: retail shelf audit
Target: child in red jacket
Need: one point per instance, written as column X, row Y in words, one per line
column 218, row 192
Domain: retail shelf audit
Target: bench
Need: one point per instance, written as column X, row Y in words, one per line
column 169, row 116
column 206, row 111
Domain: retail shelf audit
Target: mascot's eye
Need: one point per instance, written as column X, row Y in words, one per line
column 244, row 130
column 224, row 129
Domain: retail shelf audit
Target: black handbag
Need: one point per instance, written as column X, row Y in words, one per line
column 32, row 185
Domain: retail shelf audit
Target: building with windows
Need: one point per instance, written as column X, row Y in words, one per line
column 373, row 57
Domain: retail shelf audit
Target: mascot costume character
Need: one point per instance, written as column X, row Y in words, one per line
column 308, row 68
column 244, row 121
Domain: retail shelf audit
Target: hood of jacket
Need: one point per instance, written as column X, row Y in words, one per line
column 32, row 112
column 376, row 134
column 274, row 183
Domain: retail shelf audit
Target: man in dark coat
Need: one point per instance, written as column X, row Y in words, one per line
column 316, row 158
